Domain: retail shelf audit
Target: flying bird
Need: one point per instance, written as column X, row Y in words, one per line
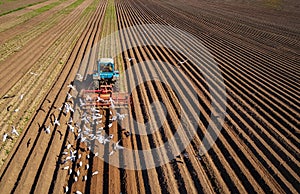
column 47, row 129
column 14, row 131
column 56, row 122
column 71, row 86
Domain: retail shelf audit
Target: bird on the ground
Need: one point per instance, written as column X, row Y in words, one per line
column 75, row 178
column 21, row 96
column 4, row 137
column 78, row 173
column 32, row 73
column 84, row 178
column 14, row 131
column 80, row 163
column 70, row 171
column 87, row 166
column 16, row 110
column 81, row 102
column 78, row 192
column 109, row 125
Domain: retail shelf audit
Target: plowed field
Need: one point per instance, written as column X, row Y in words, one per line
column 250, row 93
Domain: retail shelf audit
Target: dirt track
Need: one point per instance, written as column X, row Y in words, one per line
column 257, row 149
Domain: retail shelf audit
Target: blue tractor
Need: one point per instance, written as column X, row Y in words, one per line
column 105, row 73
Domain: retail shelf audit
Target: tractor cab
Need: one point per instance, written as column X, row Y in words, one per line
column 105, row 70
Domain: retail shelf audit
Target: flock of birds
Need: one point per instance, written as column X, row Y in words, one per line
column 88, row 129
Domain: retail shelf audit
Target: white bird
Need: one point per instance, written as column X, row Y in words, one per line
column 81, row 102
column 71, row 86
column 121, row 116
column 21, row 96
column 84, row 178
column 56, row 122
column 66, row 167
column 78, row 192
column 80, row 163
column 100, row 99
column 110, row 125
column 32, row 73
column 69, row 96
column 87, row 166
column 78, row 173
column 14, row 131
column 94, row 173
column 88, row 156
column 181, row 62
column 95, row 117
column 117, row 146
column 66, row 189
column 69, row 146
column 79, row 77
column 79, row 156
column 16, row 110
column 130, row 59
column 71, row 128
column 70, row 171
column 96, row 154
column 75, row 178
column 47, row 129
column 4, row 137
column 113, row 118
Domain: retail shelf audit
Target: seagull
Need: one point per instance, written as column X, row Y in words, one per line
column 110, row 125
column 113, row 118
column 66, row 168
column 79, row 76
column 70, row 171
column 121, row 116
column 117, row 146
column 129, row 59
column 75, row 179
column 21, row 96
column 14, row 131
column 81, row 102
column 87, row 166
column 71, row 86
column 78, row 192
column 78, row 172
column 181, row 62
column 84, row 178
column 71, row 128
column 69, row 96
column 80, row 164
column 32, row 73
column 56, row 122
column 47, row 129
column 17, row 110
column 100, row 99
column 66, row 189
column 4, row 137
column 94, row 173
